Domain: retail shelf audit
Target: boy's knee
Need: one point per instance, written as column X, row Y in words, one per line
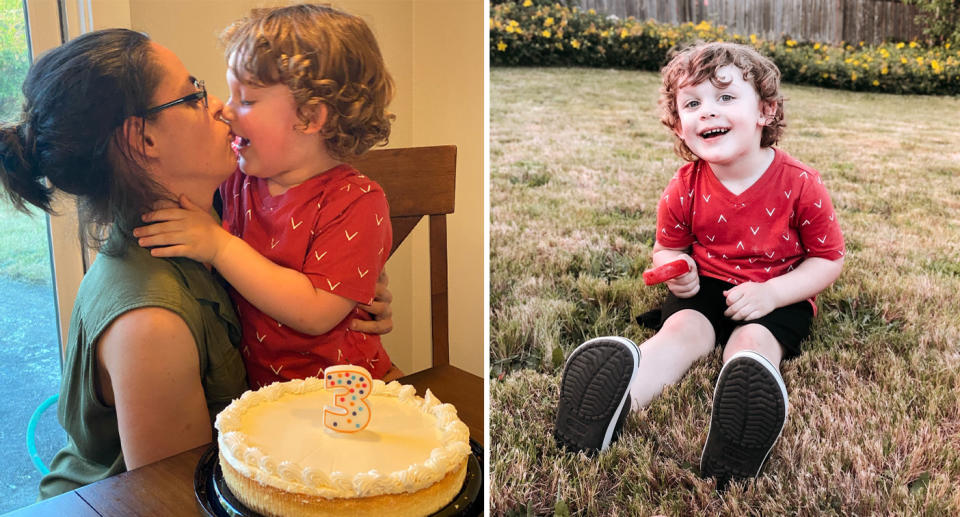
column 693, row 326
column 756, row 338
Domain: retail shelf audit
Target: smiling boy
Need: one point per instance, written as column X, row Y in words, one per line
column 761, row 237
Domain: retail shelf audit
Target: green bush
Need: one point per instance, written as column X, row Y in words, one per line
column 528, row 34
column 13, row 57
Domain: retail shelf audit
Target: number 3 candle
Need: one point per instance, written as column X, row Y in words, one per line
column 350, row 386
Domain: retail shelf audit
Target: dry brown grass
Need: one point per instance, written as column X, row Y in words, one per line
column 578, row 160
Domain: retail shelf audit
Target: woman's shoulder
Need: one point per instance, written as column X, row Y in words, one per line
column 117, row 283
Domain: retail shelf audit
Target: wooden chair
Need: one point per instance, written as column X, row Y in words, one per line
column 420, row 182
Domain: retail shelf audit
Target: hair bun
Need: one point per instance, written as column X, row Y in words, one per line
column 17, row 173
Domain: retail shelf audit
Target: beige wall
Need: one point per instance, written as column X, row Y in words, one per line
column 435, row 51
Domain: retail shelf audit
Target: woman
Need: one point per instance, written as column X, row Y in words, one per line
column 118, row 121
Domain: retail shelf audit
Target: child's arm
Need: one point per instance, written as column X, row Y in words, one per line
column 686, row 285
column 752, row 300
column 284, row 294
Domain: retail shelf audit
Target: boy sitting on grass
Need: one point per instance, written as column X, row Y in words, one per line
column 760, row 235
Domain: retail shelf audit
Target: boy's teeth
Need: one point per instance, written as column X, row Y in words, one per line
column 713, row 132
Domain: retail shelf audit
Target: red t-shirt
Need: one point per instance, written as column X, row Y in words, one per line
column 762, row 233
column 334, row 228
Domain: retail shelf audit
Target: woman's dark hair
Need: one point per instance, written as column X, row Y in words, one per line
column 76, row 99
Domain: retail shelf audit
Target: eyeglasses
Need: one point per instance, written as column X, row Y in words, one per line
column 200, row 95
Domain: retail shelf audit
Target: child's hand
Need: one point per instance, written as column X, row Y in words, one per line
column 189, row 231
column 749, row 301
column 687, row 284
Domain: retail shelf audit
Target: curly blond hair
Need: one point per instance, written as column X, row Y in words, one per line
column 324, row 56
column 700, row 62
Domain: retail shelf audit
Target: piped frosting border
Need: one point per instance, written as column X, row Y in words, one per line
column 251, row 462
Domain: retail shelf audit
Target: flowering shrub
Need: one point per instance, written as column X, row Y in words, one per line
column 530, row 33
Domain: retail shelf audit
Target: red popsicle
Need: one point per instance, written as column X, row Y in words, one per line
column 665, row 272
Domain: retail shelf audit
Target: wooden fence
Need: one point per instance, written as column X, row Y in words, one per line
column 829, row 21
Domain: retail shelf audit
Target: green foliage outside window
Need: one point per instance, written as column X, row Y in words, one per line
column 14, row 57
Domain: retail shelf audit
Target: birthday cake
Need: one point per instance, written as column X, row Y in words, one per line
column 342, row 445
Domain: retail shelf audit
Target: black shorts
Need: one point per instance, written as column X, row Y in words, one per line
column 790, row 324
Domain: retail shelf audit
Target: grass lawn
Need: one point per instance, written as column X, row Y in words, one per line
column 578, row 160
column 24, row 250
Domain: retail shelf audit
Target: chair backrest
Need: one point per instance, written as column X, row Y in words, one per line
column 419, row 182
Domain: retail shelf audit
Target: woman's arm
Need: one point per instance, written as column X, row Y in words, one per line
column 380, row 308
column 149, row 371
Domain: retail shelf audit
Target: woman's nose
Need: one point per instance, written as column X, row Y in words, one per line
column 217, row 107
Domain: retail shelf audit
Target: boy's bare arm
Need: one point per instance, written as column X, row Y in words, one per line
column 284, row 294
column 686, row 285
column 752, row 300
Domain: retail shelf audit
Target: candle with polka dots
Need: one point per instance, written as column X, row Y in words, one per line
column 350, row 385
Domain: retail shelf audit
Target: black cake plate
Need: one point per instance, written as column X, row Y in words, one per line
column 215, row 498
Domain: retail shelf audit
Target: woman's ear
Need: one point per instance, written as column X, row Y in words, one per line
column 318, row 118
column 137, row 139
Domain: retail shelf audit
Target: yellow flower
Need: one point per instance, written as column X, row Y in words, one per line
column 604, row 34
column 501, row 46
column 913, row 44
column 575, row 43
column 509, row 29
column 919, row 60
column 548, row 22
column 545, row 33
column 753, row 38
column 903, row 60
column 816, row 46
column 900, row 45
column 527, row 3
column 791, row 43
column 935, row 65
column 853, row 76
column 876, row 82
column 591, row 11
column 624, row 33
column 825, row 75
column 947, row 46
column 826, row 58
column 883, row 71
column 702, row 26
column 514, row 23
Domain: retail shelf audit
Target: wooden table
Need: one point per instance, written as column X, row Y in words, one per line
column 166, row 487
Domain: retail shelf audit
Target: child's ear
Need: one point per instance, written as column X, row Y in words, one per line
column 677, row 130
column 767, row 112
column 318, row 118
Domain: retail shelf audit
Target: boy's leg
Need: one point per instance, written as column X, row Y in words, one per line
column 595, row 393
column 749, row 406
column 756, row 338
column 601, row 375
column 686, row 336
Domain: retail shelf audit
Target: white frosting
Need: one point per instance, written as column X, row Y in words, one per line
column 410, row 443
